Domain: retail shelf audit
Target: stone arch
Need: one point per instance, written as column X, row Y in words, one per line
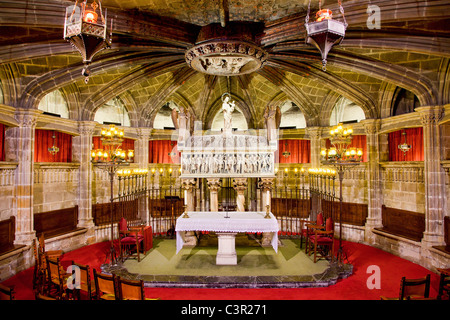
column 55, row 102
column 107, row 110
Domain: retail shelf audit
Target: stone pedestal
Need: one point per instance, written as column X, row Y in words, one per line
column 226, row 253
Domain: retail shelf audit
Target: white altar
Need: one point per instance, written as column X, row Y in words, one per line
column 226, row 229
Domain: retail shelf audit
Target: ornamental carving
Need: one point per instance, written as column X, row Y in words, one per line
column 226, row 57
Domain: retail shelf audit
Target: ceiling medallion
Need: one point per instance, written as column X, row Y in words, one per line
column 226, row 57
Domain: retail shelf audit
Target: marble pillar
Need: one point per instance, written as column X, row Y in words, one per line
column 24, row 136
column 434, row 176
column 240, row 185
column 82, row 146
column 315, row 134
column 375, row 201
column 188, row 186
column 141, row 158
column 265, row 186
column 214, row 185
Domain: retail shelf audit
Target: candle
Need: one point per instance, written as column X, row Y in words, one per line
column 267, row 198
column 185, row 197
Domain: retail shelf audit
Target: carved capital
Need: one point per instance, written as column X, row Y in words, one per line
column 214, row 184
column 430, row 115
column 266, row 184
column 314, row 132
column 240, row 184
column 371, row 126
column 27, row 117
column 144, row 133
column 87, row 127
column 188, row 184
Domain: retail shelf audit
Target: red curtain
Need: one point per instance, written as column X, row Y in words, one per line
column 163, row 151
column 300, row 151
column 44, row 140
column 358, row 141
column 127, row 144
column 2, row 142
column 414, row 137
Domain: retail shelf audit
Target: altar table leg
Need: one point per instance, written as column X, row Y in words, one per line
column 226, row 253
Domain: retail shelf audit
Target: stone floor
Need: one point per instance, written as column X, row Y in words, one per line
column 257, row 267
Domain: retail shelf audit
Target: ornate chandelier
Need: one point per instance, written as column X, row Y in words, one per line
column 112, row 139
column 53, row 149
column 404, row 146
column 325, row 32
column 85, row 31
column 341, row 138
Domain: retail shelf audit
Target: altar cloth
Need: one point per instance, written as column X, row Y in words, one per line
column 216, row 221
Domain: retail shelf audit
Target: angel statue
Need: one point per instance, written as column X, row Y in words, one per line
column 272, row 115
column 227, row 108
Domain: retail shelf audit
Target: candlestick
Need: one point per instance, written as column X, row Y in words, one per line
column 267, row 216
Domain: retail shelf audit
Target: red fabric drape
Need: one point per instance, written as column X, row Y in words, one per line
column 2, row 142
column 160, row 151
column 44, row 140
column 300, row 151
column 358, row 141
column 414, row 137
column 127, row 144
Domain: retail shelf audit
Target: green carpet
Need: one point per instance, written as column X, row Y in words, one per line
column 201, row 261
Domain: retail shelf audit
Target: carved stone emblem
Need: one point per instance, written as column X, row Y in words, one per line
column 226, row 57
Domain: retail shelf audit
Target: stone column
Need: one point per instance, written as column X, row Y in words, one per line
column 214, row 186
column 141, row 158
column 375, row 201
column 188, row 185
column 434, row 176
column 240, row 185
column 315, row 134
column 24, row 137
column 266, row 185
column 82, row 153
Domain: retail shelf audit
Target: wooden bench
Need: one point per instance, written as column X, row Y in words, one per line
column 403, row 223
column 352, row 213
column 56, row 222
column 7, row 235
column 101, row 212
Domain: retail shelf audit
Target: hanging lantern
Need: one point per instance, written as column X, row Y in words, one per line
column 404, row 146
column 86, row 32
column 325, row 32
column 53, row 149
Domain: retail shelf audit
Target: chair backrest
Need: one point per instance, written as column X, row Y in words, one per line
column 53, row 269
column 6, row 293
column 412, row 288
column 131, row 289
column 123, row 226
column 105, row 284
column 85, row 277
column 329, row 224
column 319, row 220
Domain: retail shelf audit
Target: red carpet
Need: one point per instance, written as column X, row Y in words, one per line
column 361, row 256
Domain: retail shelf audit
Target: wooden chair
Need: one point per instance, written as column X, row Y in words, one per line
column 57, row 279
column 87, row 286
column 40, row 269
column 6, row 293
column 105, row 286
column 131, row 239
column 52, row 253
column 309, row 230
column 413, row 289
column 131, row 289
column 322, row 241
column 444, row 284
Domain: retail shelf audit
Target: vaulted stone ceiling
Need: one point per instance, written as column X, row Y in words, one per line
column 146, row 65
